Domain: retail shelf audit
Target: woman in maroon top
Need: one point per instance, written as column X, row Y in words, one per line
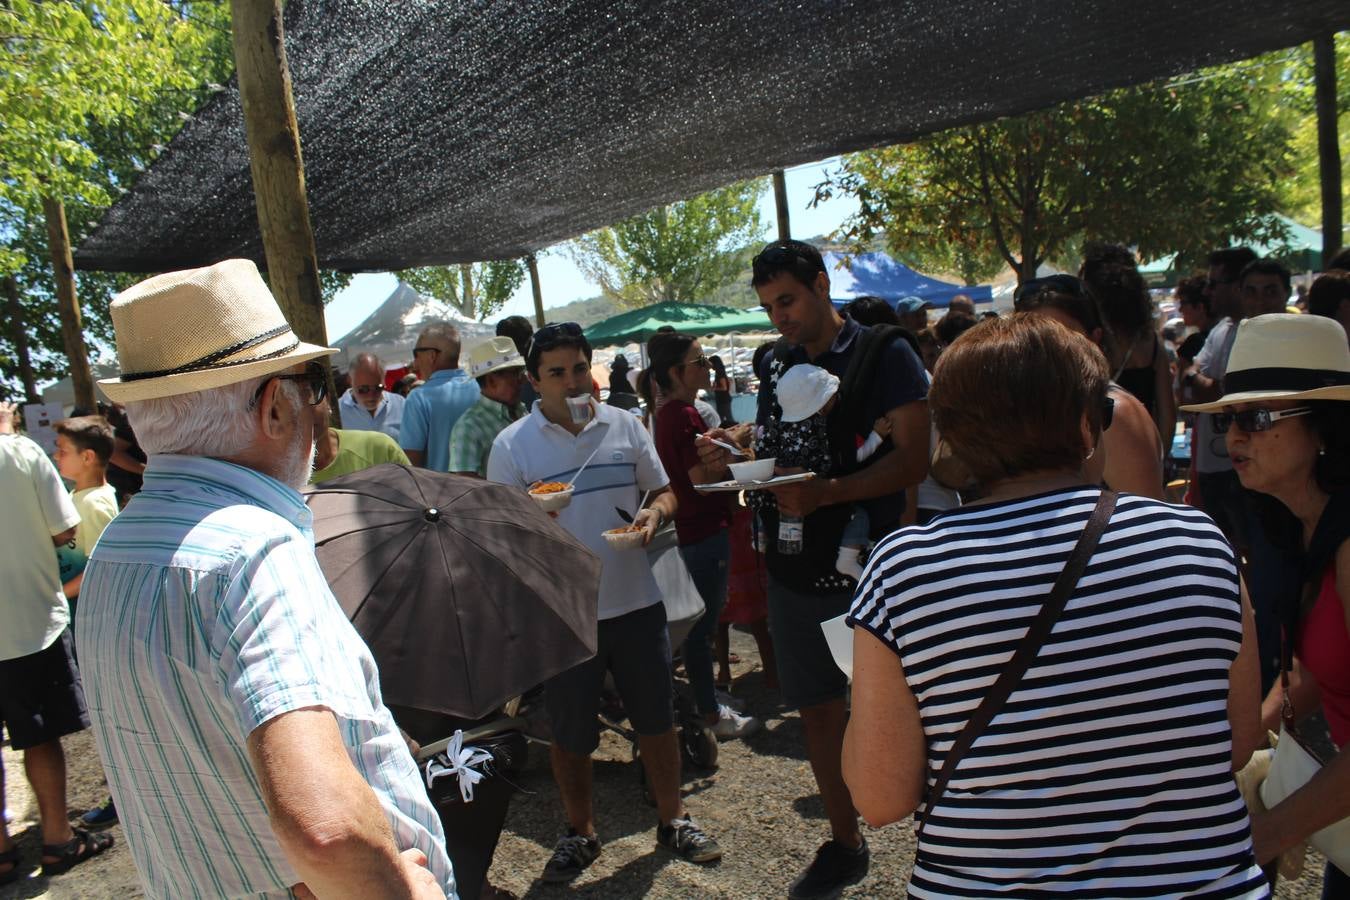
column 680, row 370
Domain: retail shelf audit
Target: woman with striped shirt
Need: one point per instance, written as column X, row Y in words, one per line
column 1108, row 771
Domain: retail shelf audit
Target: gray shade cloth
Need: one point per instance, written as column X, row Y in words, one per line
column 445, row 132
column 465, row 591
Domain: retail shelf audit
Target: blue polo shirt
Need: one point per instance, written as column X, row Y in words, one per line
column 431, row 413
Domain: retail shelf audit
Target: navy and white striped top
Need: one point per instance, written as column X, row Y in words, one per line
column 1108, row 771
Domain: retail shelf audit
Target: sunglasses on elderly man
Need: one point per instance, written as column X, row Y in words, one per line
column 315, row 376
column 1253, row 420
column 364, row 389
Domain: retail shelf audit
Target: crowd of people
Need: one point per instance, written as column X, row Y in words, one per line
column 1055, row 669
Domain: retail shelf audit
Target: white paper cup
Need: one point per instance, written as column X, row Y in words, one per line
column 839, row 637
column 625, row 540
column 754, row 470
column 554, row 501
column 580, row 408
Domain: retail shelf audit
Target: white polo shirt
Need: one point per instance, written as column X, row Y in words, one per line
column 626, row 465
column 33, row 610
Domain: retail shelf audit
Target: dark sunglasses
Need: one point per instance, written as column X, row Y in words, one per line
column 1060, row 284
column 369, row 389
column 550, row 336
column 1253, row 420
column 315, row 376
column 417, row 350
column 787, row 253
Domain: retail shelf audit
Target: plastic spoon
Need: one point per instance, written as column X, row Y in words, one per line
column 732, row 447
column 573, row 482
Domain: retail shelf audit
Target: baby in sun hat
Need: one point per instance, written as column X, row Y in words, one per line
column 806, row 394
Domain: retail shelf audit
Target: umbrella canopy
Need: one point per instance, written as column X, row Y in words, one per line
column 465, row 591
column 638, row 325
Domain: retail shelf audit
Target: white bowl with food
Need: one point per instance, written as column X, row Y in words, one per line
column 754, row 470
column 626, row 537
column 551, row 495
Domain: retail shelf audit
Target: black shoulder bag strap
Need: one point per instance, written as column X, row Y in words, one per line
column 1026, row 651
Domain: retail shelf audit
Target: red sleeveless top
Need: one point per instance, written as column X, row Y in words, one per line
column 1324, row 650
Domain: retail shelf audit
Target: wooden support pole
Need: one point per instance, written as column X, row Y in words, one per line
column 67, row 304
column 278, row 170
column 1328, row 146
column 24, row 358
column 532, row 263
column 780, row 199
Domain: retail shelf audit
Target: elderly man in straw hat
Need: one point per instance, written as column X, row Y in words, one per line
column 499, row 369
column 237, row 712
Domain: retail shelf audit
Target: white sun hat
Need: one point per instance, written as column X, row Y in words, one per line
column 803, row 390
column 200, row 329
column 1285, row 357
column 493, row 355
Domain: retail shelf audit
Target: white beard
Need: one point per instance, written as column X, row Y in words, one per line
column 298, row 466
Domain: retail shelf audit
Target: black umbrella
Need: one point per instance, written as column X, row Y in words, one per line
column 466, row 592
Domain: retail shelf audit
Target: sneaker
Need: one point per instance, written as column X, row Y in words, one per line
column 103, row 817
column 834, row 868
column 685, row 839
column 737, row 704
column 572, row 854
column 731, row 724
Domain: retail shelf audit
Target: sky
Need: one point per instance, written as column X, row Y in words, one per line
column 561, row 281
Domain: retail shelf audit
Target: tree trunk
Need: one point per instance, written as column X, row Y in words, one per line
column 532, row 263
column 781, row 201
column 72, row 334
column 14, row 310
column 466, row 298
column 277, row 168
column 1328, row 149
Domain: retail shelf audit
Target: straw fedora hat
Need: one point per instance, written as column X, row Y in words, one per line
column 1285, row 357
column 200, row 329
column 493, row 355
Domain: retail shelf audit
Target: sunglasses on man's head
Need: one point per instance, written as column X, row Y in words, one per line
column 1253, row 420
column 369, row 389
column 550, row 336
column 315, row 377
column 786, row 253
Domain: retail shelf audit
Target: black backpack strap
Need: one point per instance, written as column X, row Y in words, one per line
column 856, row 386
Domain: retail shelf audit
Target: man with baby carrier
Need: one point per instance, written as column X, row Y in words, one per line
column 880, row 377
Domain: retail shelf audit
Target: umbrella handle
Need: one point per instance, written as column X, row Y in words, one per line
column 496, row 726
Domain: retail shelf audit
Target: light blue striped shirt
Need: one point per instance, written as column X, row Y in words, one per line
column 204, row 614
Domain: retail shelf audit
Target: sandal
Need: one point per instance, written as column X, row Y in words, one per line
column 10, row 856
column 79, row 848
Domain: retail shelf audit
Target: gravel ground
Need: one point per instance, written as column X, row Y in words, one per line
column 761, row 805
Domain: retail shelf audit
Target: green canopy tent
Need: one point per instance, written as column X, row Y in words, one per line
column 638, row 325
column 1300, row 249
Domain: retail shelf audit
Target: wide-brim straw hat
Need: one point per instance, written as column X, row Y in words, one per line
column 494, row 355
column 200, row 329
column 1285, row 357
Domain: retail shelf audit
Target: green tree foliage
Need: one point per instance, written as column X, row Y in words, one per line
column 1175, row 166
column 1300, row 189
column 683, row 252
column 476, row 290
column 89, row 93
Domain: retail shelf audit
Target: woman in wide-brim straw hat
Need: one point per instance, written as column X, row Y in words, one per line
column 1285, row 415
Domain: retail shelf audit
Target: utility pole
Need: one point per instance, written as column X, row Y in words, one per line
column 780, row 198
column 1328, row 148
column 278, row 171
column 67, row 304
column 532, row 263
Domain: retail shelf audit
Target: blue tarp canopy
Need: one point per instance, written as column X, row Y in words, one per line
column 881, row 276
